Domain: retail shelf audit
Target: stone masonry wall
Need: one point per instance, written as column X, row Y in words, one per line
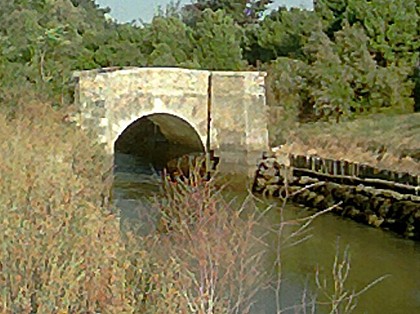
column 239, row 128
column 376, row 197
column 111, row 100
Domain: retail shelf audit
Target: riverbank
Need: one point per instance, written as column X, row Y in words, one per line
column 63, row 248
column 368, row 165
column 366, row 194
column 388, row 142
column 396, row 294
column 62, row 236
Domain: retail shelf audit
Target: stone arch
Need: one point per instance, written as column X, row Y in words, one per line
column 159, row 137
column 122, row 125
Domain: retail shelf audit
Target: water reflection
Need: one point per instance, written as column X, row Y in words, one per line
column 135, row 181
column 373, row 252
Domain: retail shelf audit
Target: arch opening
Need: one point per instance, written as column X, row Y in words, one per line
column 155, row 139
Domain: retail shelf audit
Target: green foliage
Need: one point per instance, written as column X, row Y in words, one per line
column 361, row 55
column 345, row 79
column 328, row 78
column 119, row 45
column 217, row 42
column 241, row 11
column 374, row 45
column 393, row 33
column 168, row 42
column 332, row 14
column 43, row 42
column 284, row 33
column 286, row 88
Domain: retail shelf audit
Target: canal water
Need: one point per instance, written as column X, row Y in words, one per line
column 373, row 252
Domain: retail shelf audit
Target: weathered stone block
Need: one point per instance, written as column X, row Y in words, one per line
column 238, row 117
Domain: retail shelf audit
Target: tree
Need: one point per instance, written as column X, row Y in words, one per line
column 392, row 27
column 217, row 42
column 375, row 87
column 352, row 48
column 242, row 11
column 332, row 14
column 44, row 43
column 118, row 45
column 286, row 88
column 168, row 42
column 283, row 34
column 328, row 78
column 343, row 78
column 374, row 44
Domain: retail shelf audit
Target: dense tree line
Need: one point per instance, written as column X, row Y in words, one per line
column 346, row 57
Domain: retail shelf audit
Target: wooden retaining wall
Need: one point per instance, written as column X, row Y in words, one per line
column 355, row 173
column 377, row 197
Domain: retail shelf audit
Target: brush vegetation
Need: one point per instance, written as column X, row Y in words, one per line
column 62, row 249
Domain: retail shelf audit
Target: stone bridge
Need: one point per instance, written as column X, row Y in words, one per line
column 197, row 110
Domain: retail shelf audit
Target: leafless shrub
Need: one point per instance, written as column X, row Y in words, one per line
column 340, row 299
column 214, row 245
column 62, row 249
column 60, row 243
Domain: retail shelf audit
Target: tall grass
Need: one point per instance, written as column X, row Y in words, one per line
column 390, row 142
column 60, row 244
column 62, row 249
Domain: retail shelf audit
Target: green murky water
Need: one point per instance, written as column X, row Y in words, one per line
column 373, row 252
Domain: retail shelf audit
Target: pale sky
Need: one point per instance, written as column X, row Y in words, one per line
column 128, row 10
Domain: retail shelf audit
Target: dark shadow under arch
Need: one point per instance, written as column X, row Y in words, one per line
column 158, row 138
